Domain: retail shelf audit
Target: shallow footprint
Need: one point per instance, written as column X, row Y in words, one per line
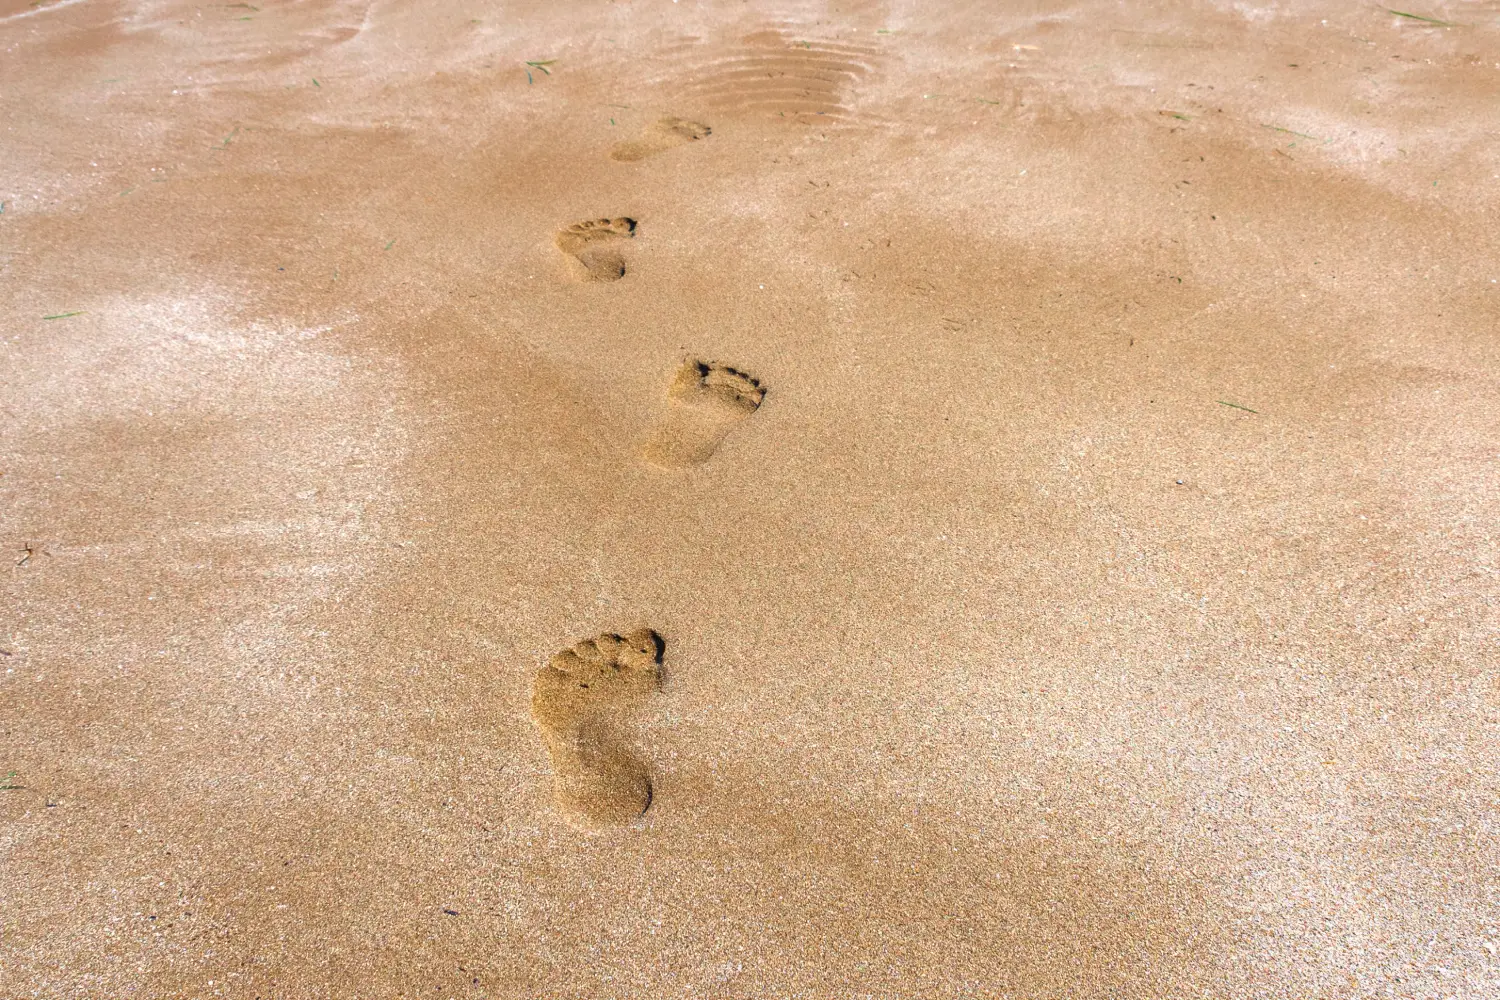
column 658, row 137
column 582, row 701
column 595, row 243
column 706, row 402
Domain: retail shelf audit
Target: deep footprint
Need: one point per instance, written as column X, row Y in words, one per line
column 706, row 402
column 595, row 243
column 583, row 701
column 659, row 137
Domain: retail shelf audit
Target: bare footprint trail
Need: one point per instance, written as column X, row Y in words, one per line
column 658, row 137
column 583, row 701
column 595, row 244
column 706, row 402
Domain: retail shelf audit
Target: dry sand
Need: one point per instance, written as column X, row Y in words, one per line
column 1101, row 600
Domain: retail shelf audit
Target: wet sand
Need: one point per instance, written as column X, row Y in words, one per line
column 1019, row 496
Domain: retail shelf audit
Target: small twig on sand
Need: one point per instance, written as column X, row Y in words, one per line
column 1237, row 406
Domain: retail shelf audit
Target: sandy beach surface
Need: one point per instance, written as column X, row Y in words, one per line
column 655, row 499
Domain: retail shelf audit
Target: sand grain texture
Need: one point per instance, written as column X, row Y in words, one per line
column 1089, row 591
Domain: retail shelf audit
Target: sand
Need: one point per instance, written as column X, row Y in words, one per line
column 1053, row 446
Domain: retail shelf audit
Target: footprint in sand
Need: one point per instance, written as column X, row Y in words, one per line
column 583, row 700
column 595, row 243
column 706, row 401
column 659, row 137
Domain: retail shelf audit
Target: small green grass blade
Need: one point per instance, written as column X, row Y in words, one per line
column 1419, row 17
column 1278, row 128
